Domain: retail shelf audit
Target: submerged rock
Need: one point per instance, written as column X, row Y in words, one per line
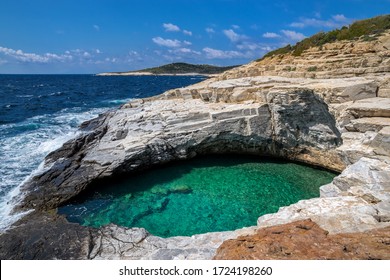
column 180, row 189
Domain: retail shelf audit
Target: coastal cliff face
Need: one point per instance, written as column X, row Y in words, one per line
column 336, row 116
column 333, row 60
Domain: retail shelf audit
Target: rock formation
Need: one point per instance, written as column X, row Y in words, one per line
column 335, row 116
column 305, row 240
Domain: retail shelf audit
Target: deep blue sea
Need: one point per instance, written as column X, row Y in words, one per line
column 38, row 113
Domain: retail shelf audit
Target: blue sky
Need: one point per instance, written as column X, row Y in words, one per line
column 90, row 36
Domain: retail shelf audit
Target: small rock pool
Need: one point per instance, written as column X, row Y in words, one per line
column 206, row 194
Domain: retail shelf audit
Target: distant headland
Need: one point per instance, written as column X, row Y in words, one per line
column 178, row 69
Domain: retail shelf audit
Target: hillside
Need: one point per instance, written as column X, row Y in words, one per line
column 177, row 69
column 358, row 55
column 367, row 30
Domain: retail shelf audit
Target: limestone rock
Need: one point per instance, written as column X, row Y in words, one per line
column 45, row 236
column 327, row 107
column 305, row 240
column 381, row 142
column 368, row 124
column 293, row 124
column 114, row 242
column 357, row 58
column 372, row 107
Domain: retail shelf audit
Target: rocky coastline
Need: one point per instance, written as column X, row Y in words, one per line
column 337, row 117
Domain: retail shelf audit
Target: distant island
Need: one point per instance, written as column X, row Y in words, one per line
column 175, row 69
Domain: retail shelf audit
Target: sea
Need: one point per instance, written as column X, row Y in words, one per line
column 38, row 113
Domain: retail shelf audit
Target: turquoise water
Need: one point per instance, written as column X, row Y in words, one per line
column 38, row 113
column 215, row 193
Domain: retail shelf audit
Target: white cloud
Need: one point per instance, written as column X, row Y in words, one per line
column 180, row 51
column 98, row 51
column 169, row 27
column 186, row 32
column 253, row 46
column 292, row 35
column 271, row 35
column 219, row 54
column 210, row 30
column 96, row 27
column 22, row 56
column 335, row 21
column 167, row 42
column 187, row 43
column 86, row 54
column 233, row 36
column 340, row 18
column 235, row 26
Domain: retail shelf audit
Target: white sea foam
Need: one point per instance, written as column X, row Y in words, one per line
column 22, row 151
column 120, row 101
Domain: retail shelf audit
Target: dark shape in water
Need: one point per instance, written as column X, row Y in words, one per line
column 215, row 193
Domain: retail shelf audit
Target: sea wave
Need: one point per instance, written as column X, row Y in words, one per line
column 24, row 147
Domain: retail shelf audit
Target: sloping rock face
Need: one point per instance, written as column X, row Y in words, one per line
column 337, row 118
column 45, row 236
column 295, row 125
column 305, row 240
column 340, row 59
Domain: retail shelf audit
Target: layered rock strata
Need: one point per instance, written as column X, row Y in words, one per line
column 338, row 123
column 340, row 59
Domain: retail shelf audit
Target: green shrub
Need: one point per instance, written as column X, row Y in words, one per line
column 368, row 29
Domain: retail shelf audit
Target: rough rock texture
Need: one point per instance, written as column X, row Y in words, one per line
column 113, row 242
column 294, row 124
column 336, row 116
column 305, row 240
column 45, row 236
column 340, row 59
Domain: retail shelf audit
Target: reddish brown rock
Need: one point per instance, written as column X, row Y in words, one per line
column 306, row 240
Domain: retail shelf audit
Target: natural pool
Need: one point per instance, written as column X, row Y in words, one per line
column 206, row 194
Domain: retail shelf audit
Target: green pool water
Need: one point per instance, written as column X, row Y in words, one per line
column 215, row 193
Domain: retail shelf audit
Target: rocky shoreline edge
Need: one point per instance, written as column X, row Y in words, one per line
column 340, row 123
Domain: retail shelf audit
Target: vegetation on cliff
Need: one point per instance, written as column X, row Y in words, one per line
column 367, row 29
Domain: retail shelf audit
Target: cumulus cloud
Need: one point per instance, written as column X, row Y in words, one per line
column 186, row 32
column 335, row 21
column 169, row 27
column 22, row 56
column 220, row 54
column 167, row 42
column 233, row 36
column 292, row 35
column 251, row 46
column 183, row 51
column 340, row 18
column 271, row 35
column 210, row 30
column 235, row 26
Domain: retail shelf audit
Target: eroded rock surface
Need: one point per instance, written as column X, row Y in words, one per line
column 45, row 236
column 294, row 124
column 329, row 108
column 305, row 240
